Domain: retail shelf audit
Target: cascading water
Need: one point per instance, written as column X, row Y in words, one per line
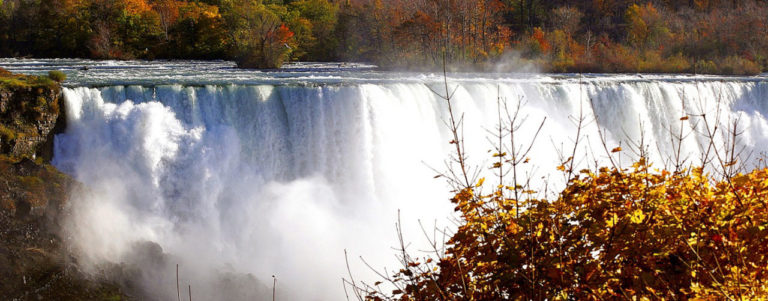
column 249, row 179
column 241, row 180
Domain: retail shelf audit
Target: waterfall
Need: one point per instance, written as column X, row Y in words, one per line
column 236, row 183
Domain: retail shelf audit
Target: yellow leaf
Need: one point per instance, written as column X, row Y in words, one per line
column 637, row 216
column 616, row 149
column 539, row 228
column 693, row 240
column 695, row 287
column 740, row 180
column 513, row 228
column 684, row 118
column 480, row 182
column 612, row 221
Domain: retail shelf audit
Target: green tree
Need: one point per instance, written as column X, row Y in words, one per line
column 199, row 32
column 645, row 27
column 321, row 14
column 259, row 36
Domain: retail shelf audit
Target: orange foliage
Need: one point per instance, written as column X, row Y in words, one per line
column 284, row 34
column 611, row 234
column 197, row 10
column 642, row 35
column 538, row 36
column 136, row 7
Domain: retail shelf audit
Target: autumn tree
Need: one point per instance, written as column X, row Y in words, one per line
column 199, row 33
column 259, row 36
column 645, row 27
column 722, row 36
column 168, row 12
column 320, row 17
column 567, row 19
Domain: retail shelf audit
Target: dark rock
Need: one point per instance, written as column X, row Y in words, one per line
column 27, row 167
column 22, row 209
column 34, row 262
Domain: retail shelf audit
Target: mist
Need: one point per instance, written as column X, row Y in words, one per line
column 237, row 183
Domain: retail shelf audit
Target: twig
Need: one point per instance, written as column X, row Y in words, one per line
column 178, row 291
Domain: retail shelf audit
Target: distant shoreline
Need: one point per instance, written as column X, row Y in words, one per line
column 299, row 66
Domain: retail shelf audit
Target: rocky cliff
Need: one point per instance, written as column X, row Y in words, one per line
column 34, row 264
column 29, row 113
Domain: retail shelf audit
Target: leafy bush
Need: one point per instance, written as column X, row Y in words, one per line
column 611, row 233
column 739, row 65
column 706, row 67
column 676, row 63
column 57, row 76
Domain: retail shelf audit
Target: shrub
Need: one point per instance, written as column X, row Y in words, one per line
column 676, row 63
column 57, row 76
column 738, row 65
column 650, row 61
column 705, row 67
column 610, row 234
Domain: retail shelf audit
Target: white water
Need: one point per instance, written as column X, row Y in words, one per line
column 238, row 179
column 251, row 179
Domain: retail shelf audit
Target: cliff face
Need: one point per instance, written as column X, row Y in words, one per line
column 34, row 264
column 29, row 111
column 28, row 116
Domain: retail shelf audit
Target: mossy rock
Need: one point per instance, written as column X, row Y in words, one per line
column 29, row 112
column 20, row 81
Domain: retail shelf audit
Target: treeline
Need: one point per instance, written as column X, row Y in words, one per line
column 703, row 36
column 261, row 34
